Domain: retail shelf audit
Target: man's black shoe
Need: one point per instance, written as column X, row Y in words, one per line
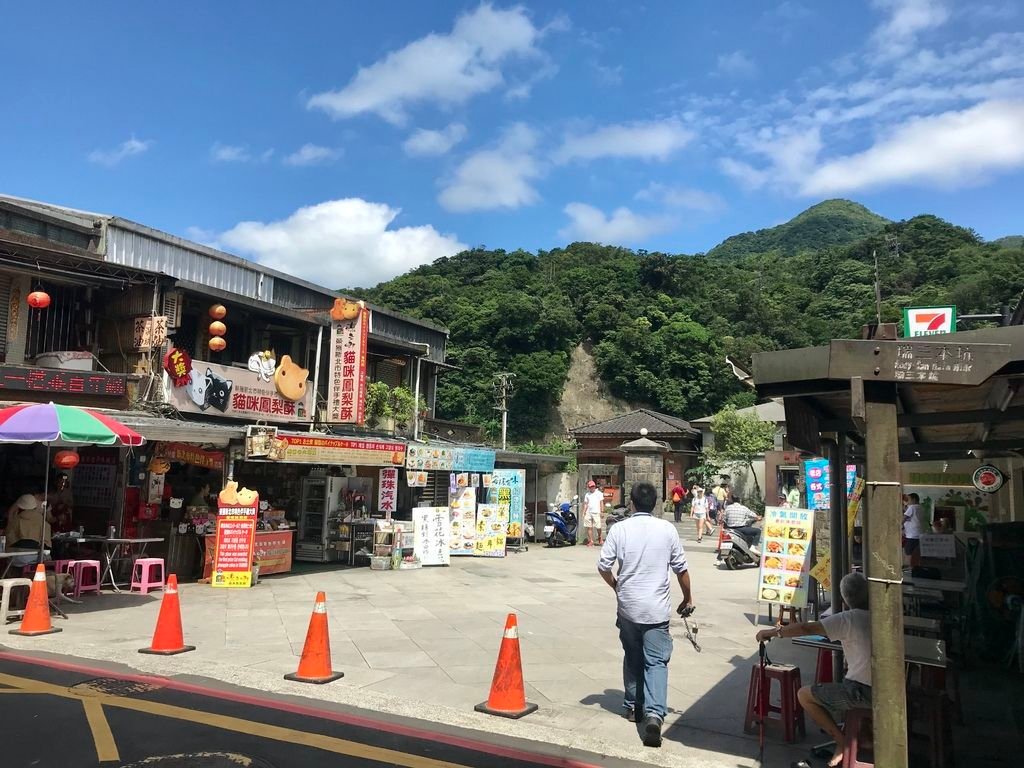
column 652, row 731
column 629, row 713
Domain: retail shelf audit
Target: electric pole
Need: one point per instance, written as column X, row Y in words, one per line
column 503, row 389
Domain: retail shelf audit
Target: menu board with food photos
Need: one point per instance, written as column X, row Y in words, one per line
column 491, row 530
column 785, row 554
column 462, row 503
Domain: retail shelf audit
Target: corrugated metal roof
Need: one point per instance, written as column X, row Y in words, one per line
column 656, row 424
column 157, row 429
column 773, row 410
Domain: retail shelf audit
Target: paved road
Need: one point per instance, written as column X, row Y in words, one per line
column 57, row 712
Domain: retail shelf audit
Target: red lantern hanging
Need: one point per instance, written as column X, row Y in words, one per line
column 39, row 299
column 65, row 460
column 217, row 328
column 217, row 344
column 218, row 311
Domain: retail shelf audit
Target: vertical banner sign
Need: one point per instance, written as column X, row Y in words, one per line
column 491, row 527
column 346, row 390
column 235, row 545
column 432, row 535
column 508, row 486
column 463, row 521
column 822, row 570
column 387, row 491
column 817, row 481
column 785, row 548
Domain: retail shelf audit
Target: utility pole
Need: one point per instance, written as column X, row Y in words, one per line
column 503, row 389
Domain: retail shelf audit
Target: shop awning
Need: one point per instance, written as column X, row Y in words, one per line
column 157, row 429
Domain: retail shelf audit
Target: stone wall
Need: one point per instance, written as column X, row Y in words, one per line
column 646, row 468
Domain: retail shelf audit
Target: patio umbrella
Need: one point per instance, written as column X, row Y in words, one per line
column 51, row 423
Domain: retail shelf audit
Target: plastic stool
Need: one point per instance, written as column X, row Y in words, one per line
column 78, row 569
column 855, row 719
column 931, row 709
column 823, row 670
column 7, row 586
column 142, row 571
column 791, row 714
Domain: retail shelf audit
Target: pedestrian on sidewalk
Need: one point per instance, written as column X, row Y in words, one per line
column 645, row 548
column 678, row 497
column 699, row 511
column 593, row 504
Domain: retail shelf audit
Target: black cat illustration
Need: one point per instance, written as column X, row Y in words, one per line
column 218, row 391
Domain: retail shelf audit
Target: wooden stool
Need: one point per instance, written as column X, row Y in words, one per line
column 854, row 722
column 790, row 713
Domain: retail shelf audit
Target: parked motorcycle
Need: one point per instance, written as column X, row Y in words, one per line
column 735, row 552
column 562, row 523
column 616, row 515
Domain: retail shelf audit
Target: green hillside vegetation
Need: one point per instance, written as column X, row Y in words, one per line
column 1010, row 241
column 833, row 222
column 660, row 325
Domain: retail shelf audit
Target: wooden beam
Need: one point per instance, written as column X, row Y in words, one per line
column 937, row 418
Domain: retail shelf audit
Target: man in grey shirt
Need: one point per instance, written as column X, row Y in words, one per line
column 645, row 548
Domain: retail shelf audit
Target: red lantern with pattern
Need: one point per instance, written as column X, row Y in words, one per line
column 65, row 460
column 39, row 299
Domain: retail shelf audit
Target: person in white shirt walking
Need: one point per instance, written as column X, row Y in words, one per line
column 593, row 505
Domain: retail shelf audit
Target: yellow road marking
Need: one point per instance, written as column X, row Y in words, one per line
column 228, row 723
column 106, row 747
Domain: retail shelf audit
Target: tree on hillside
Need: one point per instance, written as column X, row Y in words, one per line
column 740, row 440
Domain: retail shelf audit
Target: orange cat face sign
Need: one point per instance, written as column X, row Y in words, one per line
column 344, row 309
column 290, row 380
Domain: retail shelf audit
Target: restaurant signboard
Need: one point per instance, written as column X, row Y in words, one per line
column 785, row 550
column 342, row 451
column 346, row 384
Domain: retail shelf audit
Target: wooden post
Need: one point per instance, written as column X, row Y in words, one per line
column 883, row 564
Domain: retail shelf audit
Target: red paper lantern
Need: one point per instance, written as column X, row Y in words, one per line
column 217, row 344
column 65, row 460
column 39, row 299
column 217, row 328
column 218, row 311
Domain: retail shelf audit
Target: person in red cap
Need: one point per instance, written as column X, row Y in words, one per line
column 593, row 504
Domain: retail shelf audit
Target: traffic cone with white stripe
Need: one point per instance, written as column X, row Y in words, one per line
column 508, row 693
column 168, row 639
column 36, row 619
column 315, row 664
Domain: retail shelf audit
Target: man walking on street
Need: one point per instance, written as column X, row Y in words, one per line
column 645, row 548
column 678, row 494
column 593, row 505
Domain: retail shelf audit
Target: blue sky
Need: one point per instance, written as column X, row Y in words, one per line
column 348, row 142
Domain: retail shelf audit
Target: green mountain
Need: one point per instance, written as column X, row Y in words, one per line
column 1010, row 241
column 832, row 222
column 660, row 325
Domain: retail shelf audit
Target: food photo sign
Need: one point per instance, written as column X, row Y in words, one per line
column 785, row 548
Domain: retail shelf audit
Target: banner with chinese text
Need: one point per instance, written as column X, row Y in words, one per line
column 235, row 546
column 183, row 453
column 387, row 491
column 432, row 530
column 822, row 570
column 785, row 548
column 346, row 387
column 325, row 449
column 817, row 482
column 508, row 487
column 491, row 528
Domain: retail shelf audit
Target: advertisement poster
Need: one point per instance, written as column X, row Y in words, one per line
column 387, row 492
column 462, row 504
column 513, row 483
column 785, row 547
column 822, row 570
column 430, row 457
column 346, row 385
column 235, row 546
column 307, row 449
column 491, row 527
column 817, row 479
column 962, row 509
column 274, row 551
column 432, row 530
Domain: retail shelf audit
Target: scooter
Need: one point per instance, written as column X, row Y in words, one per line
column 735, row 552
column 562, row 523
column 613, row 516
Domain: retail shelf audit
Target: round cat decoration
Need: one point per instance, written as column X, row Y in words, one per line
column 290, row 379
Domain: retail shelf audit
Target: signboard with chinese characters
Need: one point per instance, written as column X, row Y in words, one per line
column 387, row 492
column 235, row 545
column 149, row 331
column 61, row 381
column 822, row 570
column 240, row 393
column 472, row 460
column 508, row 487
column 926, row 362
column 433, row 531
column 928, row 321
column 818, row 482
column 178, row 365
column 183, row 453
column 325, row 449
column 785, row 548
column 346, row 386
column 938, row 545
column 491, row 530
column 95, row 478
column 463, row 521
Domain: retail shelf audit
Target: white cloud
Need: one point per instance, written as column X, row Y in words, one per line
column 791, row 155
column 947, row 149
column 681, row 197
column 229, row 153
column 653, row 140
column 111, row 157
column 496, row 178
column 737, row 64
column 428, row 143
column 905, row 20
column 442, row 69
column 623, row 226
column 312, row 154
column 340, row 243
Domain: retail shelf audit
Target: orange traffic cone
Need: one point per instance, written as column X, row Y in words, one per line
column 36, row 620
column 508, row 696
column 315, row 664
column 168, row 639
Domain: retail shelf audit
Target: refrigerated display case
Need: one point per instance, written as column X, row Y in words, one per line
column 320, row 519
